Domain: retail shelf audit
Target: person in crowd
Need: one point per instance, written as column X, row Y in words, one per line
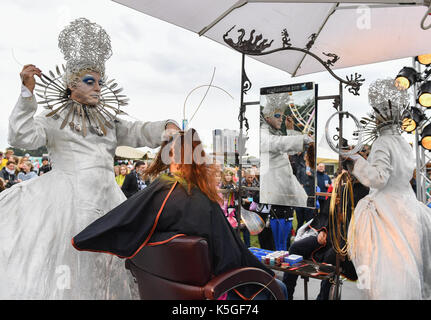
column 122, row 170
column 130, row 165
column 116, row 170
column 43, row 214
column 323, row 181
column 235, row 176
column 134, row 181
column 2, row 185
column 218, row 177
column 229, row 196
column 249, row 197
column 265, row 237
column 8, row 174
column 8, row 154
column 281, row 219
column 305, row 214
column 36, row 165
column 249, row 180
column 190, row 205
column 21, row 163
column 313, row 242
column 26, row 172
column 46, row 166
column 278, row 184
column 256, row 172
column 16, row 160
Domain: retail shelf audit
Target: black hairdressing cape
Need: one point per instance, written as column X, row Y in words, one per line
column 127, row 228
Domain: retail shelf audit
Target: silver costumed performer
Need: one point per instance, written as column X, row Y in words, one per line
column 39, row 217
column 390, row 239
column 278, row 184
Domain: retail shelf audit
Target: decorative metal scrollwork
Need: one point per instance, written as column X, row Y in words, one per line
column 246, row 83
column 354, row 83
column 253, row 45
column 285, row 39
column 311, row 42
column 256, row 45
column 331, row 62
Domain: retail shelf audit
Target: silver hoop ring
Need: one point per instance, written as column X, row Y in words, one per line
column 358, row 146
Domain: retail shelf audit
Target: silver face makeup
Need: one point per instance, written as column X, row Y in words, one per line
column 274, row 121
column 87, row 90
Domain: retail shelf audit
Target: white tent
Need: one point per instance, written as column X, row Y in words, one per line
column 129, row 153
column 359, row 32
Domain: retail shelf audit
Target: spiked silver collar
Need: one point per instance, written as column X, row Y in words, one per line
column 80, row 118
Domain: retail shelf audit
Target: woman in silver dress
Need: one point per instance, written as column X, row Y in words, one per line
column 39, row 217
column 390, row 239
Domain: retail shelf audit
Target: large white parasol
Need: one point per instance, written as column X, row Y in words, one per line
column 358, row 32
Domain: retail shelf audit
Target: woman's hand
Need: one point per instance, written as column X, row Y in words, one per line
column 27, row 76
column 172, row 126
column 321, row 238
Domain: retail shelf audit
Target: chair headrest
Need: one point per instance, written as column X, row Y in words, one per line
column 184, row 259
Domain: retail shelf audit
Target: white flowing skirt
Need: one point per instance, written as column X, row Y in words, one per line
column 38, row 219
column 390, row 246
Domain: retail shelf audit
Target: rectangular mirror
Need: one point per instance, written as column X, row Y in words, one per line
column 287, row 145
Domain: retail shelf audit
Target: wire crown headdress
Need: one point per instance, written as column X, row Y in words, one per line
column 388, row 104
column 85, row 46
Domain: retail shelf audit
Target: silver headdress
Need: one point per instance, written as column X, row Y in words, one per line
column 303, row 113
column 86, row 46
column 276, row 101
column 388, row 104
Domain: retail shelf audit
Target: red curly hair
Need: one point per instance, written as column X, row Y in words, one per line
column 186, row 151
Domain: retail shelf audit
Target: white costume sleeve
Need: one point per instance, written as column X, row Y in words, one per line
column 375, row 172
column 273, row 143
column 141, row 134
column 25, row 130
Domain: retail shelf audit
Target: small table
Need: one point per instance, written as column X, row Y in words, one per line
column 306, row 269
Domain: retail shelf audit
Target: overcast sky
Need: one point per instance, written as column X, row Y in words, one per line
column 157, row 64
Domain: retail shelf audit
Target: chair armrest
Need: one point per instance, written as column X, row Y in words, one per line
column 240, row 276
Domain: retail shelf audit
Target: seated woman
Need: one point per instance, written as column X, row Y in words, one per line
column 183, row 202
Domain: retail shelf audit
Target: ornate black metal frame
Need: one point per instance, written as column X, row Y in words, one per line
column 257, row 46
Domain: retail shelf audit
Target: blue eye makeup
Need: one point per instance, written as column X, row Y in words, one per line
column 90, row 80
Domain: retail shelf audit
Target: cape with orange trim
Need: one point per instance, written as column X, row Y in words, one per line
column 160, row 212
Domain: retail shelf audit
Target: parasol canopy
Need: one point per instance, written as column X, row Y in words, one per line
column 358, row 32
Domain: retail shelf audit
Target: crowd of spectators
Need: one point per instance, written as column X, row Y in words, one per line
column 277, row 219
column 130, row 176
column 14, row 169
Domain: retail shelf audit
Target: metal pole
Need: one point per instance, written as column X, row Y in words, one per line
column 418, row 167
column 339, row 215
column 241, row 120
column 419, row 152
